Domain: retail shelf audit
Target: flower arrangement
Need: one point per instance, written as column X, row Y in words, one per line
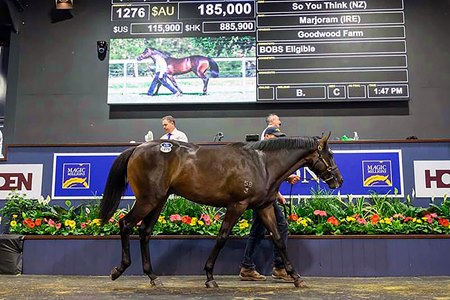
column 377, row 215
column 319, row 215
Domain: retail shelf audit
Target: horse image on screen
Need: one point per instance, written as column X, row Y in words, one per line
column 195, row 70
column 197, row 64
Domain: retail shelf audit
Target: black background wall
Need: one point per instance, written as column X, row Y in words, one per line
column 57, row 88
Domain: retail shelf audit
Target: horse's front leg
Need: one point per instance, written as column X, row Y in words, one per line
column 267, row 216
column 175, row 84
column 231, row 217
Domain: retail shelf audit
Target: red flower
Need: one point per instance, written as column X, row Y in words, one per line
column 186, row 219
column 444, row 222
column 374, row 219
column 333, row 221
column 29, row 223
column 293, row 217
column 38, row 222
column 407, row 219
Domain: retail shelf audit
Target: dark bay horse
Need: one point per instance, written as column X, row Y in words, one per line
column 236, row 176
column 195, row 63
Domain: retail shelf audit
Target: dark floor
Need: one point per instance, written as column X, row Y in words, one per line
column 192, row 287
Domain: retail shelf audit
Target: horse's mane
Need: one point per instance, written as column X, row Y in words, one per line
column 281, row 143
column 163, row 53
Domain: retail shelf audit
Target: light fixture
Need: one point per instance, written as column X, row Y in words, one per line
column 64, row 4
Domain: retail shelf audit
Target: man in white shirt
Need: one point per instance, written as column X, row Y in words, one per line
column 272, row 120
column 172, row 133
column 160, row 76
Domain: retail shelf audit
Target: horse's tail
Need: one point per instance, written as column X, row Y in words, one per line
column 213, row 68
column 115, row 185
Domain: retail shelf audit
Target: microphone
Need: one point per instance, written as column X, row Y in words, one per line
column 149, row 136
column 218, row 137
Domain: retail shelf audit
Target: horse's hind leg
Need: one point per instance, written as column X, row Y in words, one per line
column 231, row 217
column 205, row 85
column 126, row 226
column 267, row 216
column 145, row 231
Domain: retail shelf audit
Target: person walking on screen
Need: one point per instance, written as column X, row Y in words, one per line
column 160, row 76
column 172, row 133
column 257, row 231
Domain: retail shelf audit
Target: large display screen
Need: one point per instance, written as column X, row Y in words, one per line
column 171, row 52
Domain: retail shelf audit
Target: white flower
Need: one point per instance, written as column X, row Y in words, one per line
column 45, row 201
column 40, row 199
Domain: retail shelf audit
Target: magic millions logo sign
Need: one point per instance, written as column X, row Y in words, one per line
column 377, row 173
column 76, row 176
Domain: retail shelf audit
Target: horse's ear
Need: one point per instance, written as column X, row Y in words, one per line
column 324, row 140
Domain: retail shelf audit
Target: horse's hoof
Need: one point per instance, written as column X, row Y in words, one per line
column 115, row 273
column 211, row 284
column 156, row 282
column 300, row 283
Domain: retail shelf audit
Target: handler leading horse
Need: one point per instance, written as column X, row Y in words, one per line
column 197, row 64
column 236, row 176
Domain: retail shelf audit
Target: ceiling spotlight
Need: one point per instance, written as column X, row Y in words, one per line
column 64, row 4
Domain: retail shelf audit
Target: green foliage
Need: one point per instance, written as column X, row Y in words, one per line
column 321, row 214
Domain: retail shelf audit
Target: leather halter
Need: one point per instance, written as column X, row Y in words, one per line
column 329, row 169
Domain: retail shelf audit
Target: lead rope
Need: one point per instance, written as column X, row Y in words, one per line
column 288, row 211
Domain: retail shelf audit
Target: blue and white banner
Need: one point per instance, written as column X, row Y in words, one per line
column 83, row 175
column 364, row 172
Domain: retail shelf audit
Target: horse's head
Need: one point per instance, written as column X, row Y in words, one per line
column 323, row 164
column 148, row 52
